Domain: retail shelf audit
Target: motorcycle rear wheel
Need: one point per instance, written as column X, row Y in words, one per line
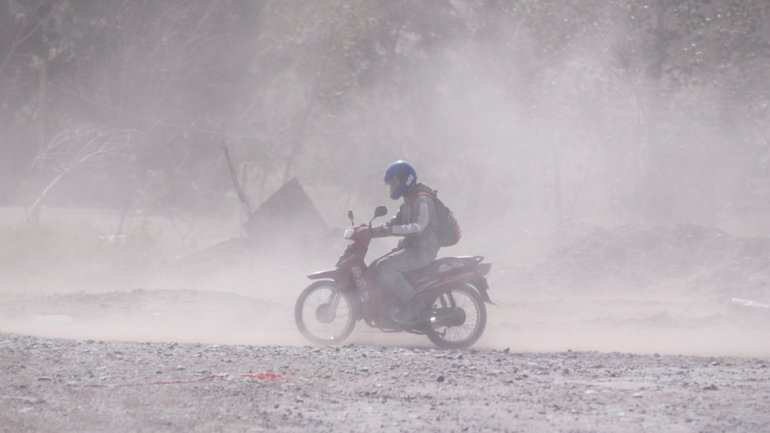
column 466, row 334
column 321, row 318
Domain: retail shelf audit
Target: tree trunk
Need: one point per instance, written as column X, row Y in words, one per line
column 558, row 198
column 42, row 95
column 33, row 217
column 655, row 198
column 297, row 142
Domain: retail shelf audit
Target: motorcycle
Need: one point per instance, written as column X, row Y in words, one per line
column 453, row 288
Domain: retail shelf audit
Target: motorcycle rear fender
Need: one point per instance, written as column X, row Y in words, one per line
column 471, row 276
column 484, row 269
column 474, row 278
column 482, row 287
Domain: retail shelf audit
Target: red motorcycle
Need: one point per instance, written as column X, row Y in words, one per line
column 454, row 288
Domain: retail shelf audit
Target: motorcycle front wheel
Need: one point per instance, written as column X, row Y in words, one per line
column 324, row 314
column 459, row 317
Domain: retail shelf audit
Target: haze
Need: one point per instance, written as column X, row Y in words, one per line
column 609, row 158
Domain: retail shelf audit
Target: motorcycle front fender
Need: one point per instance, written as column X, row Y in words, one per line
column 339, row 275
column 334, row 274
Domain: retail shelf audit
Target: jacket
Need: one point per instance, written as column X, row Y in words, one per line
column 416, row 220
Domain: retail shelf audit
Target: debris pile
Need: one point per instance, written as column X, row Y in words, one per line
column 688, row 257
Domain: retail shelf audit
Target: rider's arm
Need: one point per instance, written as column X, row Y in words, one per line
column 396, row 220
column 420, row 222
column 385, row 229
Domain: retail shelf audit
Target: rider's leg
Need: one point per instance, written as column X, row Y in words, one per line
column 390, row 271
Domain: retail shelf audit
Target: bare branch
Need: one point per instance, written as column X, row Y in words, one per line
column 34, row 210
column 39, row 22
column 19, row 37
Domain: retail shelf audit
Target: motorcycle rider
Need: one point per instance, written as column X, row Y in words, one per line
column 416, row 223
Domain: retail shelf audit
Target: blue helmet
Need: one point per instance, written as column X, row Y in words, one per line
column 400, row 175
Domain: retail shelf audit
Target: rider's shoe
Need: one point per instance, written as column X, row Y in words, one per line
column 410, row 314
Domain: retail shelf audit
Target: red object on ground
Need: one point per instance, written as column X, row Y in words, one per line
column 263, row 375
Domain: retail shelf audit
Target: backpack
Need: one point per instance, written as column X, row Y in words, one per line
column 447, row 228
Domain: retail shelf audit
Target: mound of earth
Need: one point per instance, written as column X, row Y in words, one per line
column 681, row 258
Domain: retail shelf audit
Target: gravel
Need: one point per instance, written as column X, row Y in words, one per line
column 52, row 385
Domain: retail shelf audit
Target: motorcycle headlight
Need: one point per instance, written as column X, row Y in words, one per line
column 348, row 234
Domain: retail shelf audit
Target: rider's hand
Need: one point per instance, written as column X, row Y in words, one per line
column 362, row 229
column 362, row 233
column 380, row 231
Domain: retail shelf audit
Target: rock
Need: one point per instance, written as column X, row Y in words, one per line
column 440, row 379
column 711, row 387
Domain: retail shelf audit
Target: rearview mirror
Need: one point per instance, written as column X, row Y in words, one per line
column 380, row 211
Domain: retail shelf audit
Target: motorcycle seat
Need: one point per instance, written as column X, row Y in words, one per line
column 440, row 269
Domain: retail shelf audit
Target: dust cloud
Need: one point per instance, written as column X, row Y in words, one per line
column 612, row 169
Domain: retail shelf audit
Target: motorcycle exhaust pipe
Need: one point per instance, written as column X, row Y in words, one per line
column 448, row 317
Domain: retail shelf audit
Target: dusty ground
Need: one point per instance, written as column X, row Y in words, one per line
column 97, row 338
column 523, row 377
column 94, row 386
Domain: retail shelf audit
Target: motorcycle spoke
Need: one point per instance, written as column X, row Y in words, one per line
column 340, row 315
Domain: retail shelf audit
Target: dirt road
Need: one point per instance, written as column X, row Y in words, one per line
column 50, row 385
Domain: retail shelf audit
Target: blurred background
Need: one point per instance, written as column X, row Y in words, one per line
column 604, row 137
